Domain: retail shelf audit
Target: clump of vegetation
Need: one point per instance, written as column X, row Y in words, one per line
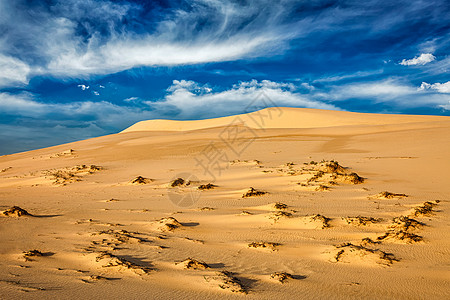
column 208, row 186
column 177, row 182
column 16, row 211
column 322, row 219
column 5, row 169
column 401, row 228
column 280, row 214
column 141, row 180
column 426, row 209
column 64, row 177
column 226, row 281
column 122, row 236
column 253, row 193
column 246, row 213
column 96, row 278
column 206, row 208
column 362, row 221
column 281, row 276
column 334, row 167
column 115, row 261
column 354, row 178
column 384, row 257
column 338, row 255
column 70, row 175
column 322, row 188
column 265, row 245
column 316, row 176
column 32, row 253
column 90, row 169
column 169, row 224
column 405, row 223
column 401, row 235
column 389, row 195
column 279, row 205
column 193, row 264
column 368, row 241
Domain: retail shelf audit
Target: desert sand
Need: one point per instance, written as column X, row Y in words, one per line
column 282, row 203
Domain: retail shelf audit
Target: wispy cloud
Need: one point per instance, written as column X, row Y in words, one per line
column 78, row 38
column 394, row 92
column 13, row 72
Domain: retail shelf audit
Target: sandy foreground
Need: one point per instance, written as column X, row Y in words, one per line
column 277, row 204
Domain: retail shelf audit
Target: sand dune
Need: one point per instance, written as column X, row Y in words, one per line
column 305, row 204
column 285, row 118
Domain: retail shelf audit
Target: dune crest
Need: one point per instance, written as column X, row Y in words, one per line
column 284, row 117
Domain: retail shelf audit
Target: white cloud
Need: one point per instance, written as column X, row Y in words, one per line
column 131, row 99
column 393, row 91
column 13, row 71
column 421, row 60
column 189, row 100
column 341, row 77
column 382, row 90
column 184, row 100
column 307, row 86
column 76, row 114
column 439, row 87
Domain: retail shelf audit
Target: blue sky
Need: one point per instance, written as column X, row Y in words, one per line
column 75, row 69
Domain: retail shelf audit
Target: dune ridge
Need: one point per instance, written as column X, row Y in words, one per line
column 284, row 117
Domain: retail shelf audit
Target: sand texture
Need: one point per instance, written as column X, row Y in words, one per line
column 282, row 203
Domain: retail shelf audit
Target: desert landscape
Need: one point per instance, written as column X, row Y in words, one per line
column 284, row 203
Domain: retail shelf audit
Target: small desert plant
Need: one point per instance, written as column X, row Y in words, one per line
column 424, row 210
column 280, row 205
column 193, row 264
column 177, row 182
column 267, row 245
column 389, row 195
column 354, row 178
column 140, row 180
column 281, row 276
column 16, row 211
column 208, row 186
column 253, row 192
column 360, row 220
column 324, row 220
